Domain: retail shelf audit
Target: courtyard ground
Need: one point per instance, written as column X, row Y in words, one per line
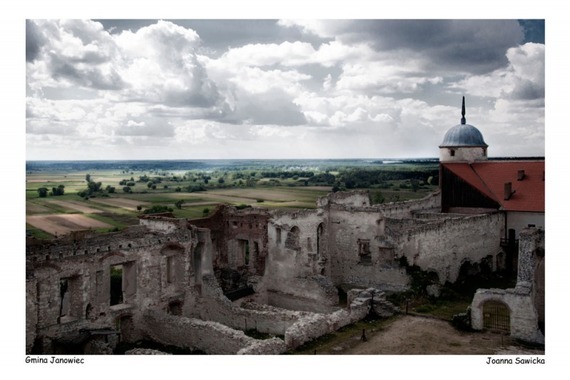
column 415, row 335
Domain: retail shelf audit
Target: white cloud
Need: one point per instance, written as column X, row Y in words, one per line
column 523, row 78
column 345, row 88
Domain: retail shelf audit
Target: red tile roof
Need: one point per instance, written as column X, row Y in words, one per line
column 489, row 177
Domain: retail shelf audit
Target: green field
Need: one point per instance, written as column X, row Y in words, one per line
column 117, row 197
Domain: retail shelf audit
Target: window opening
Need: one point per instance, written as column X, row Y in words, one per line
column 116, row 284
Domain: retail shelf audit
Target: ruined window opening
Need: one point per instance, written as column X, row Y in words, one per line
column 364, row 252
column 319, row 236
column 70, row 307
column 175, row 308
column 246, row 252
column 452, row 152
column 123, row 283
column 293, row 239
column 65, row 301
column 197, row 260
column 116, row 285
column 170, row 273
column 278, row 234
column 255, row 250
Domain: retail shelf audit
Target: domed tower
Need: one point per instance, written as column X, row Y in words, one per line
column 463, row 143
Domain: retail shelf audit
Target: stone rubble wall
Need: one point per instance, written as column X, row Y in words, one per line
column 214, row 306
column 443, row 246
column 211, row 337
column 361, row 302
column 348, row 231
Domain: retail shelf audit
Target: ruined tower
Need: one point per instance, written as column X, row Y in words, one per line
column 463, row 143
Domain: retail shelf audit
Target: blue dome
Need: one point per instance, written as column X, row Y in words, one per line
column 463, row 135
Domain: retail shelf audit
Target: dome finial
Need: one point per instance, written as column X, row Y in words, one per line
column 463, row 111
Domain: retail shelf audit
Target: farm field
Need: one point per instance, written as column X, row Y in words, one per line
column 60, row 224
column 68, row 196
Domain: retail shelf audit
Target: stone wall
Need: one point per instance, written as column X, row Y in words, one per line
column 442, row 246
column 526, row 301
column 361, row 252
column 214, row 306
column 104, row 281
column 298, row 261
column 207, row 336
column 239, row 243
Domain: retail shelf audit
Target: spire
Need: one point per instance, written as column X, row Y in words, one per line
column 463, row 111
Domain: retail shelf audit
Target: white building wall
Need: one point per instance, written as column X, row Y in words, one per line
column 469, row 154
column 520, row 220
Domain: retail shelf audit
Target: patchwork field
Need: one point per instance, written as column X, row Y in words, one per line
column 124, row 203
column 76, row 206
column 64, row 223
column 69, row 196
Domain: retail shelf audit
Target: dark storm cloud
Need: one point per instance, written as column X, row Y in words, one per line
column 473, row 46
column 33, row 41
column 527, row 90
column 89, row 76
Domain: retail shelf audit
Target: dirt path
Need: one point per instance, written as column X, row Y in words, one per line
column 410, row 335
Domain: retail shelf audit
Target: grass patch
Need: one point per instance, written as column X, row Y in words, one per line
column 34, row 232
column 193, row 212
column 118, row 221
column 253, row 333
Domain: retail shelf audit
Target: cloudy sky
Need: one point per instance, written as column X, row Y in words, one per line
column 159, row 89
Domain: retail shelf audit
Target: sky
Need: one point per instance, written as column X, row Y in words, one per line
column 280, row 88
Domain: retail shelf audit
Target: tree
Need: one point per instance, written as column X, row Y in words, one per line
column 206, row 211
column 57, row 190
column 156, row 209
column 127, row 189
column 43, row 192
column 179, row 204
column 87, row 178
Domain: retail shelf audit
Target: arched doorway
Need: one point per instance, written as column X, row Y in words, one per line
column 496, row 317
